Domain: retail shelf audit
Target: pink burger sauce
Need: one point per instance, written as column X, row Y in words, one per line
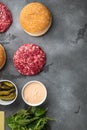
column 34, row 93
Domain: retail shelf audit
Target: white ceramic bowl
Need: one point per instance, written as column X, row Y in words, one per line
column 34, row 104
column 9, row 102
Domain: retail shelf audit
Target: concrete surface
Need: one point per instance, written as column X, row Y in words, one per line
column 65, row 74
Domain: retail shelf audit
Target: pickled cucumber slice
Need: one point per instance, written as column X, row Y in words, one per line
column 9, row 97
column 8, row 84
column 6, row 92
column 4, row 87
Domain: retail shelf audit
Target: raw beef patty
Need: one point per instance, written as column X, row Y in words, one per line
column 5, row 18
column 29, row 59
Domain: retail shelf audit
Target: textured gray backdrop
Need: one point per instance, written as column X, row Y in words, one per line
column 65, row 74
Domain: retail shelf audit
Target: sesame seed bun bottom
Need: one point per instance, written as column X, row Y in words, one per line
column 3, row 56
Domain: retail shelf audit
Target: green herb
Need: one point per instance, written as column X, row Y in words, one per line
column 32, row 119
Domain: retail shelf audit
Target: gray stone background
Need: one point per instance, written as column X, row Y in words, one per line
column 65, row 73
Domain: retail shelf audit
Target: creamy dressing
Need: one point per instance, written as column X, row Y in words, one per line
column 34, row 93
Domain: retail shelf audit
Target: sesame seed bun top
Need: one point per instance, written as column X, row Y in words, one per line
column 35, row 18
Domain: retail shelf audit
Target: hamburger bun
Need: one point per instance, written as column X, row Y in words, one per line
column 2, row 56
column 35, row 19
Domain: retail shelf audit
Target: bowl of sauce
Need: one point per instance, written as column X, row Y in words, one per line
column 34, row 93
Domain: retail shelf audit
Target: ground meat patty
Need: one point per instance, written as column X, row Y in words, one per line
column 5, row 18
column 29, row 59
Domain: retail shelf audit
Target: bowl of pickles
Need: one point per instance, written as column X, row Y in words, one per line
column 8, row 92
